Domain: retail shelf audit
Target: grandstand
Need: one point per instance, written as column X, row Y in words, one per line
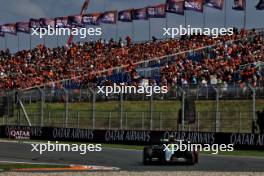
column 218, row 82
column 93, row 61
column 214, row 83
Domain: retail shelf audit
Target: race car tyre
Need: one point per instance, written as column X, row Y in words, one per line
column 147, row 155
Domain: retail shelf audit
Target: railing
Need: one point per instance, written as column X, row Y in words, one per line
column 198, row 92
column 140, row 120
column 230, row 108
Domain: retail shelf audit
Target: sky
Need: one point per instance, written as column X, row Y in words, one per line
column 22, row 10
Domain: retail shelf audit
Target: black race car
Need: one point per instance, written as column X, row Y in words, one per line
column 161, row 154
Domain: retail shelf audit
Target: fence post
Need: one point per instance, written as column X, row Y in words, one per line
column 34, row 119
column 63, row 120
column 7, row 121
column 66, row 107
column 183, row 109
column 217, row 117
column 160, row 118
column 42, row 97
column 240, row 124
column 109, row 120
column 126, row 120
column 93, row 108
column 142, row 120
column 253, row 107
column 121, row 110
column 237, row 90
column 198, row 121
column 207, row 92
column 18, row 108
column 49, row 117
column 78, row 119
column 80, row 95
column 151, row 112
column 217, row 112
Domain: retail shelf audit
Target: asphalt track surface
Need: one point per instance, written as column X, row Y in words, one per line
column 128, row 160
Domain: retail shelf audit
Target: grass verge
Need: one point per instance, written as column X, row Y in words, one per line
column 236, row 115
column 10, row 166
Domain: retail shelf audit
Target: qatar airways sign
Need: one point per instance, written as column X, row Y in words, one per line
column 19, row 134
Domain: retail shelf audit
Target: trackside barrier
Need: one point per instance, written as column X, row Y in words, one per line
column 133, row 137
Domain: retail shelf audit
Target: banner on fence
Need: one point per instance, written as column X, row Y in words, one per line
column 134, row 137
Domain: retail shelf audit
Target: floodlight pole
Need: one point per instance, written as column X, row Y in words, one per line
column 42, row 95
column 182, row 109
column 253, row 107
column 217, row 117
column 66, row 107
column 151, row 112
column 121, row 110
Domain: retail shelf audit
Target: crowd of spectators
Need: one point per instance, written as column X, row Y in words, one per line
column 85, row 60
column 238, row 62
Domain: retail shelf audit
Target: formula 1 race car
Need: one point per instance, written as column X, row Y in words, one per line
column 165, row 153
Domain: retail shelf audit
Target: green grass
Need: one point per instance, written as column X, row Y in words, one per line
column 166, row 106
column 10, row 166
column 236, row 115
